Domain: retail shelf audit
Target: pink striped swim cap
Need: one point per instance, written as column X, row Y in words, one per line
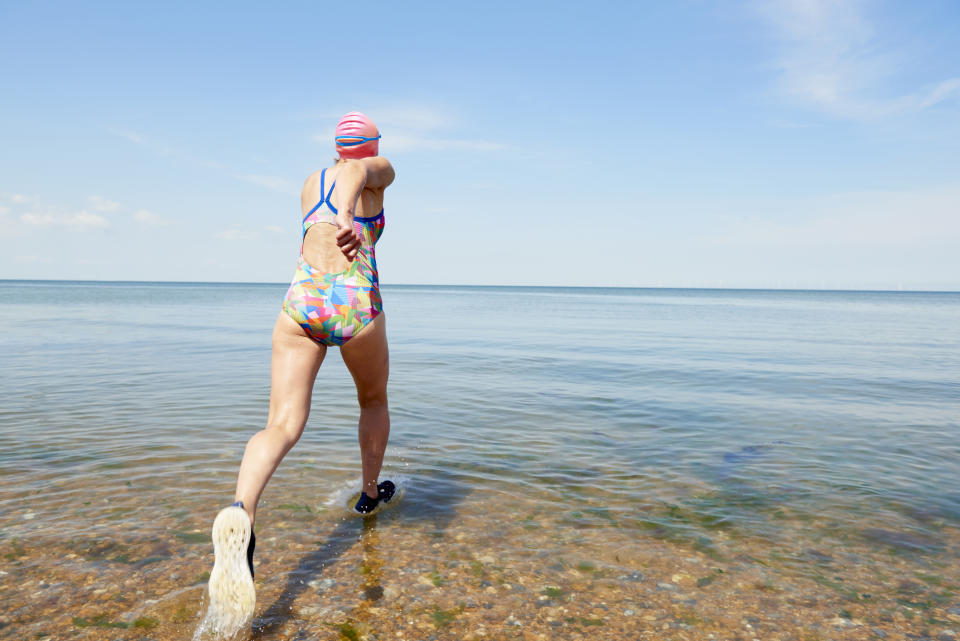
column 357, row 136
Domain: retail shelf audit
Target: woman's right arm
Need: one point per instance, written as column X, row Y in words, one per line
column 380, row 172
column 356, row 175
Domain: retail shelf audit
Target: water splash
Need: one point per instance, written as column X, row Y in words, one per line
column 343, row 497
column 220, row 626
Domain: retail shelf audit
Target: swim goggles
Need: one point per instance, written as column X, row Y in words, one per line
column 353, row 141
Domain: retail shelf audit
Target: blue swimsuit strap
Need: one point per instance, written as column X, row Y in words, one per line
column 323, row 198
column 317, row 206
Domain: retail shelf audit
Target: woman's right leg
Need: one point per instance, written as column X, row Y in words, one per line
column 294, row 363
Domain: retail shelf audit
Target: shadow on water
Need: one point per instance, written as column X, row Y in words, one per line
column 745, row 499
column 312, row 565
column 433, row 498
column 739, row 500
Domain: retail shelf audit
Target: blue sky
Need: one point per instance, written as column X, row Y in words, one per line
column 790, row 143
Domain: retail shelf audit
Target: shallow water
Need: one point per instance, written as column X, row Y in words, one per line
column 576, row 463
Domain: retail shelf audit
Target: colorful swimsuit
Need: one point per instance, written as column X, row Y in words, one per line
column 333, row 307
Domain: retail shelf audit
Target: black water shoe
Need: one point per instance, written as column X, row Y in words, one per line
column 385, row 492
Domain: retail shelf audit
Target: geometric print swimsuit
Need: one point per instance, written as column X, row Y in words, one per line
column 333, row 307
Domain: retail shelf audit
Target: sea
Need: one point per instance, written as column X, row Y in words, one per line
column 573, row 463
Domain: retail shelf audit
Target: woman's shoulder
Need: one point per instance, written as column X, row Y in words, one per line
column 321, row 177
column 314, row 179
column 310, row 193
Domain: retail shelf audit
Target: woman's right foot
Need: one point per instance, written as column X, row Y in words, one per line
column 385, row 492
column 231, row 590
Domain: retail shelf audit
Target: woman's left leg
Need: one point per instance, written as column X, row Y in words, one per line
column 367, row 357
column 294, row 365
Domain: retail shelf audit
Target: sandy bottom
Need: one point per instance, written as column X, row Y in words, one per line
column 480, row 573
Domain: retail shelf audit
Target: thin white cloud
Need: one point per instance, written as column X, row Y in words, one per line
column 4, row 210
column 85, row 219
column 414, row 128
column 274, row 229
column 940, row 92
column 81, row 219
column 38, row 219
column 126, row 134
column 146, row 217
column 402, row 142
column 236, row 233
column 830, row 58
column 19, row 199
column 419, row 117
column 161, row 148
column 274, row 183
column 891, row 219
column 102, row 204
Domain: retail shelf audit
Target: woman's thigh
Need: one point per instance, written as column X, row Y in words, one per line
column 368, row 359
column 294, row 363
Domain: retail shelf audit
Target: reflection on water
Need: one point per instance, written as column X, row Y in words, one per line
column 573, row 464
column 371, row 565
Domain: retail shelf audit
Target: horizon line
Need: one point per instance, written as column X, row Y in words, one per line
column 388, row 285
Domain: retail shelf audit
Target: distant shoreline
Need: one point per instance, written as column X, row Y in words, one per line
column 539, row 287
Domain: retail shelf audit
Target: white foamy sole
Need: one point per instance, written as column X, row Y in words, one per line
column 232, row 595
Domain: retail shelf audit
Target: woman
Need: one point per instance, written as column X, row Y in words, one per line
column 334, row 299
